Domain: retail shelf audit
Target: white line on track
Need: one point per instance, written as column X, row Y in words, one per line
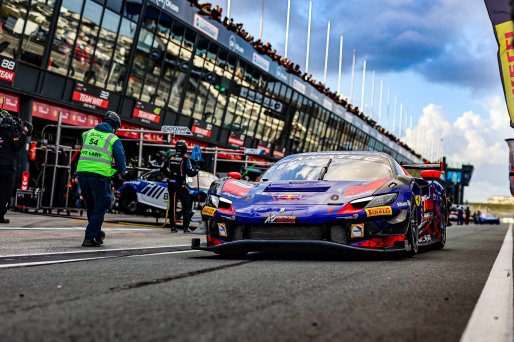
column 492, row 317
column 94, row 250
column 40, row 263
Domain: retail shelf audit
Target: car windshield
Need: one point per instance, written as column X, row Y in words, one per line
column 330, row 169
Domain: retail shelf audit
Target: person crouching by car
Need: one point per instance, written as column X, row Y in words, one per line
column 100, row 146
column 177, row 168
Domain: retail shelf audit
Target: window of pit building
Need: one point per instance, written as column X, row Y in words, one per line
column 271, row 121
column 299, row 122
column 91, row 43
column 153, row 58
column 201, row 74
column 24, row 29
column 244, row 101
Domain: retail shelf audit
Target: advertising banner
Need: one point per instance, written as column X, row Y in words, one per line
column 236, row 139
column 146, row 112
column 90, row 97
column 7, row 70
column 499, row 13
column 9, row 102
column 201, row 129
column 510, row 142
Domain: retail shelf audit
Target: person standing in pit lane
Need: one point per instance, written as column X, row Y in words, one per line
column 177, row 168
column 13, row 136
column 100, row 146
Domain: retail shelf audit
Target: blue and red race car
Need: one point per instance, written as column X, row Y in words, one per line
column 343, row 201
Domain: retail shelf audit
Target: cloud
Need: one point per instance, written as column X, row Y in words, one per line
column 469, row 139
column 446, row 41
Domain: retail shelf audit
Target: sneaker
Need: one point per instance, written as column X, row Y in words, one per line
column 91, row 243
column 173, row 230
column 101, row 238
column 4, row 220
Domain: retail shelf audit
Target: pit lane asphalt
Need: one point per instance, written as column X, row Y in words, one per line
column 195, row 296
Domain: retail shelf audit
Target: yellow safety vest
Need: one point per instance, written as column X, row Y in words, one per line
column 96, row 153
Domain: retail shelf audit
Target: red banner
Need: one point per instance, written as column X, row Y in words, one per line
column 10, row 102
column 278, row 154
column 90, row 96
column 7, row 70
column 147, row 112
column 7, row 75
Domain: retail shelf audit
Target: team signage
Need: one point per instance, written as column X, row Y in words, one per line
column 202, row 129
column 236, row 139
column 176, row 130
column 90, row 96
column 7, row 70
column 147, row 112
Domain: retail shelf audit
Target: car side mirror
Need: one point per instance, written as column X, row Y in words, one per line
column 235, row 175
column 430, row 174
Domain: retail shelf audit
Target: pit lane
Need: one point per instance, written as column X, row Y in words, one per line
column 198, row 296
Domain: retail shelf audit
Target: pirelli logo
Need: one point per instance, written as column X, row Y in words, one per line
column 379, row 211
column 208, row 211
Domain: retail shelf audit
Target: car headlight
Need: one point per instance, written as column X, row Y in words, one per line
column 220, row 202
column 381, row 200
column 374, row 201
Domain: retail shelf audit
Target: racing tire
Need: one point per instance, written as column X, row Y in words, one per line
column 128, row 202
column 441, row 243
column 412, row 233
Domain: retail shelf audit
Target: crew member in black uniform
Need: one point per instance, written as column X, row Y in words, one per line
column 13, row 135
column 177, row 168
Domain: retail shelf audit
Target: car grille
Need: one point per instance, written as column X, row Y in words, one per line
column 291, row 232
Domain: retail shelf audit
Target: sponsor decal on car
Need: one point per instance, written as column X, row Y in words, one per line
column 287, row 197
column 357, row 230
column 228, row 194
column 280, row 219
column 222, row 228
column 360, row 189
column 405, row 204
column 350, row 217
column 237, row 188
column 417, row 200
column 208, row 211
column 425, row 238
column 379, row 211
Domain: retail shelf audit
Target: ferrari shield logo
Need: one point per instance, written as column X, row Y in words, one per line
column 417, row 199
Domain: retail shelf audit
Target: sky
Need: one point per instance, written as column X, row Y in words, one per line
column 437, row 57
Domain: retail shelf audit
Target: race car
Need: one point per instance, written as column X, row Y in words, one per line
column 339, row 201
column 488, row 218
column 150, row 193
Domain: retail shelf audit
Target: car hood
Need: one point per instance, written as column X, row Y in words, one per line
column 285, row 193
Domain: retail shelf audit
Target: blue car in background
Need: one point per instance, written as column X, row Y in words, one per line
column 149, row 194
column 487, row 218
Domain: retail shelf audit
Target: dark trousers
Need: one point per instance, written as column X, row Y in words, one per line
column 97, row 194
column 6, row 185
column 179, row 193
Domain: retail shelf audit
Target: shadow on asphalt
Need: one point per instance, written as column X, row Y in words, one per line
column 326, row 256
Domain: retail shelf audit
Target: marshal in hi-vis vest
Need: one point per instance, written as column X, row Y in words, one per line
column 96, row 153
